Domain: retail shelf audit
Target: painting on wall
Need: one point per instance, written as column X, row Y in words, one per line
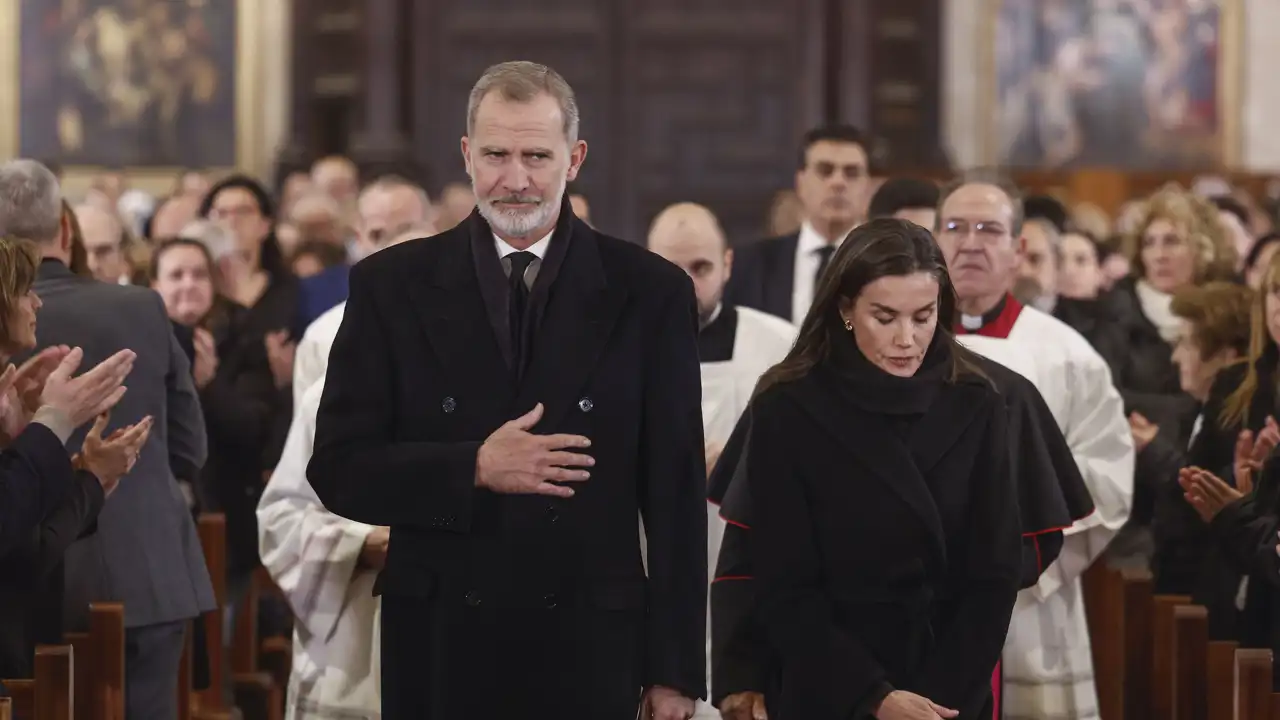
column 129, row 83
column 1136, row 84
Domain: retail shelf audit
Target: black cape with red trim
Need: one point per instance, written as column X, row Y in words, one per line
column 1051, row 496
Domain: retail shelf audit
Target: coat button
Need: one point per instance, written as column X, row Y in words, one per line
column 585, row 404
column 449, row 405
column 550, row 601
column 473, row 599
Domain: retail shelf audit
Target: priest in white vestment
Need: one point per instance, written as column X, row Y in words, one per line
column 736, row 344
column 324, row 564
column 1047, row 666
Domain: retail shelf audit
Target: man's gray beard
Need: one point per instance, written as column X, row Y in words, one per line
column 517, row 224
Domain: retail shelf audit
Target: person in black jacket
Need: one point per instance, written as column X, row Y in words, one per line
column 73, row 488
column 885, row 535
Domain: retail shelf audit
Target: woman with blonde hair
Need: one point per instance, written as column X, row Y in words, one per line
column 1177, row 243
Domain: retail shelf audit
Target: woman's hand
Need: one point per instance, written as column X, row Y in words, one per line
column 902, row 705
column 205, row 364
column 1143, row 431
column 110, row 459
column 20, row 390
column 743, row 706
column 82, row 398
column 1207, row 493
column 280, row 352
column 1251, row 452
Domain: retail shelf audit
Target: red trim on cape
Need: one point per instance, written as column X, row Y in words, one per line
column 1001, row 326
column 732, row 577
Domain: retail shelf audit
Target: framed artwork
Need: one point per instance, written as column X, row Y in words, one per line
column 150, row 86
column 1134, row 84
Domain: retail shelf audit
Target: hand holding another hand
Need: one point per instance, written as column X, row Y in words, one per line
column 374, row 553
column 663, row 703
column 743, row 706
column 902, row 705
column 515, row 461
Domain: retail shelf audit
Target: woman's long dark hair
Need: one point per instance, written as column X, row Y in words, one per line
column 885, row 247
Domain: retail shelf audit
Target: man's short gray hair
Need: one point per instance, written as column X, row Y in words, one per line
column 388, row 183
column 30, row 202
column 522, row 81
column 218, row 240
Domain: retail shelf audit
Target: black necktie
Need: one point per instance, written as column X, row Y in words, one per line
column 824, row 256
column 517, row 305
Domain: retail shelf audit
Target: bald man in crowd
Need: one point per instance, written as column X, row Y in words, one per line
column 735, row 344
column 103, row 243
column 386, row 207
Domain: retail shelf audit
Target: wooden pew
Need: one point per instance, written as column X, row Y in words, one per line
column 1136, row 590
column 1221, row 675
column 1104, row 609
column 106, row 662
column 276, row 659
column 244, row 638
column 55, row 686
column 1162, row 609
column 1190, row 663
column 6, row 708
column 23, row 693
column 81, row 668
column 258, row 697
column 213, row 541
column 1252, row 687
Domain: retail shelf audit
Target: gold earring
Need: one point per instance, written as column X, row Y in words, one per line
column 848, row 324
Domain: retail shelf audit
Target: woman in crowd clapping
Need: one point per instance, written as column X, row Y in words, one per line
column 41, row 404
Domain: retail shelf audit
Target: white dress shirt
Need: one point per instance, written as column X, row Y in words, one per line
column 802, row 285
column 539, row 249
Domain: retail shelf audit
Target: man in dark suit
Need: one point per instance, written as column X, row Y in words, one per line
column 146, row 553
column 508, row 397
column 778, row 275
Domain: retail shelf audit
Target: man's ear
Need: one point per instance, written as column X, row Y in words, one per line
column 64, row 233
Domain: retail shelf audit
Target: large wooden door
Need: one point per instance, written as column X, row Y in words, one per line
column 701, row 100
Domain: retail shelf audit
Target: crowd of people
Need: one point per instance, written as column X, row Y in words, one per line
column 871, row 457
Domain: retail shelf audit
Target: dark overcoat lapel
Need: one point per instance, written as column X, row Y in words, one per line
column 903, row 466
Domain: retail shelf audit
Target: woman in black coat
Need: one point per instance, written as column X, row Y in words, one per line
column 886, row 539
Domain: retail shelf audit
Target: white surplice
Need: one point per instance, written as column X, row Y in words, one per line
column 312, row 555
column 761, row 341
column 1047, row 662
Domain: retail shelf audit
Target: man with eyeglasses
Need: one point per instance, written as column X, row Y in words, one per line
column 778, row 275
column 1047, row 666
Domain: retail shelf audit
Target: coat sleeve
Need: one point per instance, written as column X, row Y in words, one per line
column 359, row 468
column 74, row 518
column 1097, row 432
column 188, row 444
column 1246, row 532
column 960, row 668
column 310, row 553
column 673, row 499
column 35, row 476
column 819, row 659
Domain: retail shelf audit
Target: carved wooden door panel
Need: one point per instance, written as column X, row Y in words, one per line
column 715, row 97
column 455, row 40
column 701, row 100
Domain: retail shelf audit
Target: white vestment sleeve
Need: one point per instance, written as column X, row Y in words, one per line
column 1098, row 433
column 309, row 363
column 309, row 552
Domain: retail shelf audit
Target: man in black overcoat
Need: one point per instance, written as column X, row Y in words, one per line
column 510, row 397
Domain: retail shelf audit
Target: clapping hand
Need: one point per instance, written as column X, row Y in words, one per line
column 280, row 354
column 20, row 390
column 1143, row 431
column 112, row 458
column 1252, row 452
column 515, row 461
column 205, row 364
column 91, row 394
column 1207, row 493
